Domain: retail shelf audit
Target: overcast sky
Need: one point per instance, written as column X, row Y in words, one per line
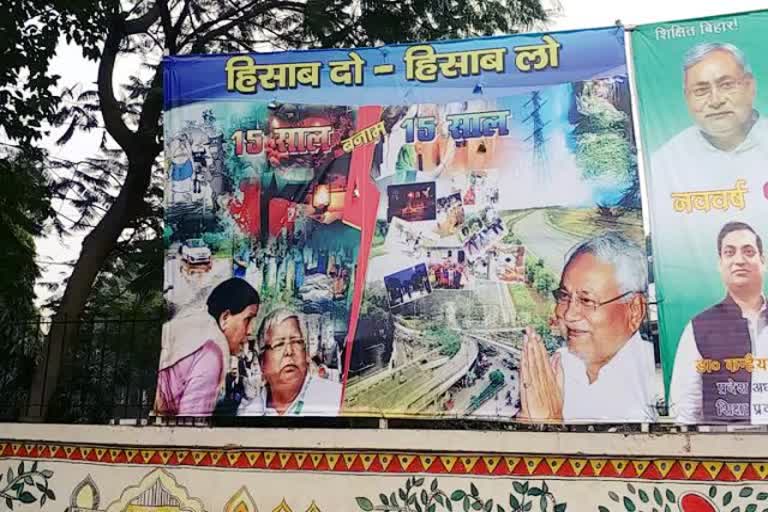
column 577, row 14
column 595, row 13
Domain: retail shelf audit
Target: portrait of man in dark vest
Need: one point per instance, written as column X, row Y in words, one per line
column 712, row 380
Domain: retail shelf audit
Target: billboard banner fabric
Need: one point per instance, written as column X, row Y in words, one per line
column 438, row 229
column 705, row 148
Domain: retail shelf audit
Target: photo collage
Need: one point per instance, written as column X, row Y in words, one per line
column 448, row 229
column 486, row 206
column 260, row 268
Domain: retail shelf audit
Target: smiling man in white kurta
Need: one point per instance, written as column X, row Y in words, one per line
column 725, row 150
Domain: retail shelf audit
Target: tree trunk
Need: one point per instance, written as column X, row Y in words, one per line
column 141, row 148
column 95, row 250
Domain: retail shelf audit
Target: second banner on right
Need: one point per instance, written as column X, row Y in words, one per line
column 705, row 135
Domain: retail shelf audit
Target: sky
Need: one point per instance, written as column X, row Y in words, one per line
column 595, row 13
column 575, row 14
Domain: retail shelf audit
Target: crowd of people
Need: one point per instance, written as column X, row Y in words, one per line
column 448, row 275
column 286, row 261
column 407, row 285
column 478, row 243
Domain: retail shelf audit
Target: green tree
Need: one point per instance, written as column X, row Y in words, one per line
column 602, row 147
column 532, row 268
column 25, row 206
column 604, row 140
column 544, row 281
column 30, row 31
column 447, row 339
column 29, row 34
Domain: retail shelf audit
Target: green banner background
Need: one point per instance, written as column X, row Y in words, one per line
column 685, row 255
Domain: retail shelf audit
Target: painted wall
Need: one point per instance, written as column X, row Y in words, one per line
column 328, row 473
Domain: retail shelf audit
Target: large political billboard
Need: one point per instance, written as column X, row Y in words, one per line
column 437, row 229
column 705, row 147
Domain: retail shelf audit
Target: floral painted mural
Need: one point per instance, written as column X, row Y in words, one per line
column 88, row 478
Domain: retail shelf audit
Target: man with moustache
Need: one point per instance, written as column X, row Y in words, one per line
column 198, row 347
column 729, row 329
column 722, row 155
column 724, row 150
column 719, row 90
column 291, row 389
column 606, row 370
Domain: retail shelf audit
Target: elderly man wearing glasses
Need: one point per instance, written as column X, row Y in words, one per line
column 606, row 370
column 719, row 90
column 727, row 134
column 290, row 388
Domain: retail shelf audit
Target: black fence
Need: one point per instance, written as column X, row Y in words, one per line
column 105, row 372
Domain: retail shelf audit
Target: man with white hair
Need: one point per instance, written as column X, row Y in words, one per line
column 728, row 133
column 722, row 155
column 290, row 388
column 606, row 370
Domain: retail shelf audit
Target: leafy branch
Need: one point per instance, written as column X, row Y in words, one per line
column 414, row 497
column 16, row 487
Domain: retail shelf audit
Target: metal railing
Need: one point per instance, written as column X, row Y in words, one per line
column 105, row 372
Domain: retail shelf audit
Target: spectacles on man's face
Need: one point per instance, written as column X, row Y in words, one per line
column 726, row 86
column 280, row 345
column 588, row 305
